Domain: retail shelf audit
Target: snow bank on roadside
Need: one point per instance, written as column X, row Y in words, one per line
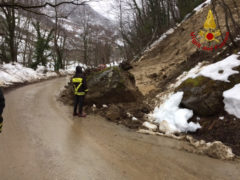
column 113, row 64
column 232, row 101
column 173, row 119
column 16, row 73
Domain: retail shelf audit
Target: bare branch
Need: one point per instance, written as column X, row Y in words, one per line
column 22, row 6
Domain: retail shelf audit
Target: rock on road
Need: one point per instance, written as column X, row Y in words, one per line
column 42, row 141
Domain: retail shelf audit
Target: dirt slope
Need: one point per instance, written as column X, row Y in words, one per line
column 175, row 54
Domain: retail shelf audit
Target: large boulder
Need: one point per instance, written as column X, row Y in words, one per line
column 204, row 95
column 125, row 66
column 109, row 86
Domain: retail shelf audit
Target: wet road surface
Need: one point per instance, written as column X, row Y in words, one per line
column 42, row 141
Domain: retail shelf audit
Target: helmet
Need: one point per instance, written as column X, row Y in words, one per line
column 78, row 70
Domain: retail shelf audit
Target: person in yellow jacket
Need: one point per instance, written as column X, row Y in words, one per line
column 80, row 90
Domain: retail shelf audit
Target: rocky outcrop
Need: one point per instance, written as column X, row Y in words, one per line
column 205, row 96
column 125, row 66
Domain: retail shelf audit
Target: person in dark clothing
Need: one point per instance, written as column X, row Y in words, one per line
column 80, row 90
column 2, row 105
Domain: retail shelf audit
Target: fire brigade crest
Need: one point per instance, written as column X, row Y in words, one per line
column 209, row 38
column 210, row 33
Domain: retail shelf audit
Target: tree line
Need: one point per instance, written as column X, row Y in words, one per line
column 231, row 16
column 31, row 36
column 144, row 21
column 141, row 22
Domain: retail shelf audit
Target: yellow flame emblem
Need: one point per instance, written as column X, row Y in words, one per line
column 210, row 33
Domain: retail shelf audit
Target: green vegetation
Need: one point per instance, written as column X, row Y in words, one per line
column 41, row 46
column 198, row 81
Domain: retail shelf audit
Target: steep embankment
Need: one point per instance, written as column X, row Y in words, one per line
column 166, row 60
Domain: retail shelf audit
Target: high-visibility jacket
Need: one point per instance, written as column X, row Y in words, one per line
column 79, row 84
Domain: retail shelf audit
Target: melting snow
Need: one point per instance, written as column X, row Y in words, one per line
column 232, row 100
column 173, row 118
column 222, row 69
column 217, row 71
column 221, row 118
column 17, row 73
column 193, row 73
column 134, row 119
column 163, row 36
column 198, row 8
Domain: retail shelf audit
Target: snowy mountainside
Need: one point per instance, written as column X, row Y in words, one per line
column 75, row 18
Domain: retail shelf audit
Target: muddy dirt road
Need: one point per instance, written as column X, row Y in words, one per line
column 42, row 141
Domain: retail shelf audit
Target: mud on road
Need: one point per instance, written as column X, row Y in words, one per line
column 42, row 141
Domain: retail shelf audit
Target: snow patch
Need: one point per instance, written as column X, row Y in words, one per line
column 51, row 74
column 222, row 69
column 134, row 119
column 193, row 73
column 162, row 37
column 199, row 8
column 221, row 117
column 41, row 69
column 218, row 71
column 104, row 106
column 232, row 100
column 173, row 119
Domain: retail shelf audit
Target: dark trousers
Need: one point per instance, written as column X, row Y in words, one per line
column 1, row 121
column 78, row 103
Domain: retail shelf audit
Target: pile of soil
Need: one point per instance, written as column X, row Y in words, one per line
column 127, row 114
column 113, row 95
column 214, row 129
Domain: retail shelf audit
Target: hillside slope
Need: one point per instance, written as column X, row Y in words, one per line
column 79, row 22
column 165, row 61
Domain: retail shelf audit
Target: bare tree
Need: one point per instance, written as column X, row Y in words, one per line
column 232, row 23
column 148, row 20
column 10, row 23
column 21, row 5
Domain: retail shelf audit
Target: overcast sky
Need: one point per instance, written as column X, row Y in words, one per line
column 105, row 7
